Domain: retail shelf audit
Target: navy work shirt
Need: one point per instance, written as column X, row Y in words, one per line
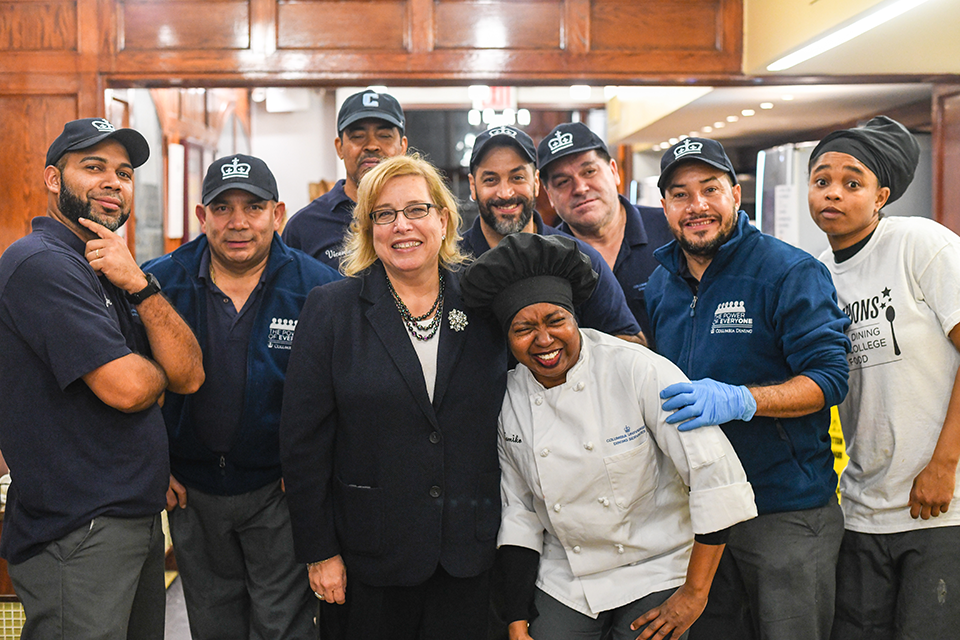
column 646, row 231
column 218, row 405
column 605, row 310
column 72, row 457
column 320, row 227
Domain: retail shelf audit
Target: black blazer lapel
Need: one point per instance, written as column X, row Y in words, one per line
column 453, row 335
column 387, row 324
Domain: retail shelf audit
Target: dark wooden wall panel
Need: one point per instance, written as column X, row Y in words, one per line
column 28, row 124
column 38, row 26
column 342, row 25
column 691, row 25
column 501, row 25
column 217, row 24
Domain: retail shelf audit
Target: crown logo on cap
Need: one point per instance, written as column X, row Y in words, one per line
column 560, row 141
column 235, row 169
column 687, row 148
column 503, row 130
column 103, row 125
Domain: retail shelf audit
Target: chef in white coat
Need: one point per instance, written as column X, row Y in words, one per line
column 612, row 519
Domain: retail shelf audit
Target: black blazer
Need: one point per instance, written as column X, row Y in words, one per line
column 374, row 471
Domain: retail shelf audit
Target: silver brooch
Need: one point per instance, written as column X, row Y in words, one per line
column 458, row 320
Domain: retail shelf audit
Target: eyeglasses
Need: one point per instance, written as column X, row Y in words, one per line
column 410, row 212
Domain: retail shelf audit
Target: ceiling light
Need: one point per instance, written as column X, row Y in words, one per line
column 746, row 113
column 488, row 115
column 707, row 129
column 732, row 118
column 787, row 97
column 666, row 144
column 656, row 147
column 847, row 33
column 682, row 137
column 580, row 92
column 674, row 141
column 766, row 105
column 473, row 117
column 694, row 134
column 719, row 124
column 523, row 117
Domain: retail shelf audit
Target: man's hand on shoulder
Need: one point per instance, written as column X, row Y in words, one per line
column 706, row 402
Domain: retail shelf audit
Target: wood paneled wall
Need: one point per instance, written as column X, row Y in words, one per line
column 58, row 56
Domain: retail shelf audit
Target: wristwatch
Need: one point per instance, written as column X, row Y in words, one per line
column 153, row 286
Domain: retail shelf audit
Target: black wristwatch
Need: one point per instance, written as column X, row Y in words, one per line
column 153, row 286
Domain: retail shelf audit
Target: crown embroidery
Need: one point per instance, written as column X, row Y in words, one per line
column 235, row 169
column 734, row 306
column 503, row 131
column 103, row 125
column 560, row 141
column 283, row 325
column 686, row 148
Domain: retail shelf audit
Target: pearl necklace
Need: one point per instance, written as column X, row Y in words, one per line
column 415, row 324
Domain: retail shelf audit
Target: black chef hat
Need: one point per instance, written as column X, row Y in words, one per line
column 883, row 145
column 525, row 269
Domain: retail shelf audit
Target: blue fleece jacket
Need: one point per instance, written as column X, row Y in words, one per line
column 763, row 313
column 254, row 459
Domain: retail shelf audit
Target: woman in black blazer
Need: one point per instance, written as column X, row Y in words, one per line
column 389, row 428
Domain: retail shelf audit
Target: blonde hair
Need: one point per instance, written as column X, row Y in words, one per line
column 358, row 245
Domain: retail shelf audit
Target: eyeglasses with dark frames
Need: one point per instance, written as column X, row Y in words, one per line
column 411, row 212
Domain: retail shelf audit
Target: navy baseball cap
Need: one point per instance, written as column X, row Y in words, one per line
column 87, row 132
column 499, row 137
column 370, row 104
column 567, row 139
column 701, row 149
column 239, row 172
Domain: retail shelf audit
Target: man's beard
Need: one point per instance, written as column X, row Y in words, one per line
column 708, row 248
column 503, row 226
column 73, row 208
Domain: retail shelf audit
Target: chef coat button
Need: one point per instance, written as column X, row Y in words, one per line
column 606, row 502
column 579, row 386
column 576, row 549
column 619, row 548
column 538, row 401
column 434, row 437
column 588, row 446
column 545, row 453
column 620, row 502
column 556, row 507
column 435, row 491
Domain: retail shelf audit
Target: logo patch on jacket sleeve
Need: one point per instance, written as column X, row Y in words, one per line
column 281, row 333
column 731, row 317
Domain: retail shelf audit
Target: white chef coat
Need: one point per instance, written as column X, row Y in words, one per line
column 597, row 482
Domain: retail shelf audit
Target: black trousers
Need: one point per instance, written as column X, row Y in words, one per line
column 441, row 608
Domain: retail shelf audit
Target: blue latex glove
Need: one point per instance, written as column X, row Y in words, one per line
column 699, row 403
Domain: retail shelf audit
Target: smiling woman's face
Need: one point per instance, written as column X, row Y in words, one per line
column 544, row 338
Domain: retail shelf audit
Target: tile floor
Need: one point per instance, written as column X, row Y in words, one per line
column 177, row 627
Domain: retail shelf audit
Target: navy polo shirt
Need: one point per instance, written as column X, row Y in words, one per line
column 218, row 405
column 605, row 310
column 72, row 457
column 320, row 227
column 646, row 231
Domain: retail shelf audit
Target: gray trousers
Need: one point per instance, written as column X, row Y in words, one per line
column 235, row 558
column 777, row 578
column 899, row 586
column 557, row 621
column 103, row 581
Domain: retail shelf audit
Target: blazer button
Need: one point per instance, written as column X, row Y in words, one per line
column 434, row 437
column 576, row 549
column 435, row 491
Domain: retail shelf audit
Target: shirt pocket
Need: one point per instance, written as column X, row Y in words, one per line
column 633, row 474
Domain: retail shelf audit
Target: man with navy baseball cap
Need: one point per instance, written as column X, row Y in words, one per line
column 582, row 180
column 754, row 323
column 241, row 289
column 504, row 183
column 88, row 349
column 370, row 128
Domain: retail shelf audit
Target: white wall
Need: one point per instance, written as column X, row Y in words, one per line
column 298, row 145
